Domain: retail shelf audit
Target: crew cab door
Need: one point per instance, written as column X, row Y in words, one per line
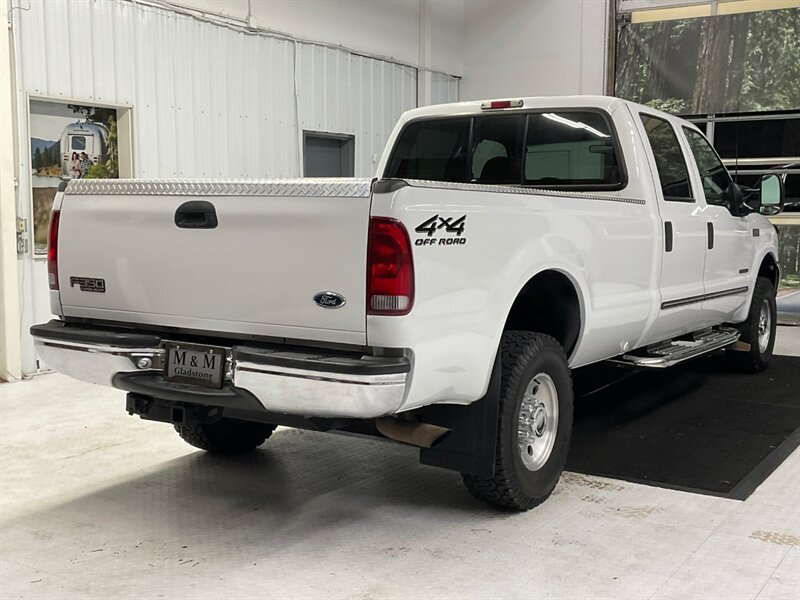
column 683, row 228
column 730, row 245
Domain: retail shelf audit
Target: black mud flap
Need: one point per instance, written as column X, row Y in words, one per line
column 471, row 445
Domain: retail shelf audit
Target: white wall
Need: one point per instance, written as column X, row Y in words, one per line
column 534, row 47
column 388, row 28
column 9, row 289
column 345, row 93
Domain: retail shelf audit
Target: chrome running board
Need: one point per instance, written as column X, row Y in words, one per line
column 671, row 352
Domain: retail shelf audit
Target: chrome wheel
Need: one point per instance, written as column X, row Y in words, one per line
column 537, row 423
column 764, row 326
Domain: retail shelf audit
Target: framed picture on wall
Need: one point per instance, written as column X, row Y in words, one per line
column 72, row 141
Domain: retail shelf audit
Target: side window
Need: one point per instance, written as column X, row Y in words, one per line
column 432, row 150
column 670, row 162
column 571, row 149
column 497, row 150
column 716, row 180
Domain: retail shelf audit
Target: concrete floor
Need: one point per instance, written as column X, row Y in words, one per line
column 96, row 504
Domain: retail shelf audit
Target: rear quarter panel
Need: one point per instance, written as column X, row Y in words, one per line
column 608, row 245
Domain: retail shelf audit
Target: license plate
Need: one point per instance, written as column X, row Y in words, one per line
column 196, row 365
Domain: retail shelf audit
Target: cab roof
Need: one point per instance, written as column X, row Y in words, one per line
column 473, row 107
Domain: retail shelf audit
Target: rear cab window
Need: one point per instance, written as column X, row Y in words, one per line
column 496, row 155
column 571, row 149
column 432, row 150
column 557, row 149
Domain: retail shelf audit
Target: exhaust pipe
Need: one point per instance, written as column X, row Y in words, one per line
column 422, row 435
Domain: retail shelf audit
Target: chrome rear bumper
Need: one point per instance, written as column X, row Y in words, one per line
column 317, row 384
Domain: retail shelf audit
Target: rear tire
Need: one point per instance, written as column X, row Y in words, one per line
column 535, row 423
column 226, row 436
column 758, row 329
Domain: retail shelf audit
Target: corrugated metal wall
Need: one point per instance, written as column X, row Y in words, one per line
column 444, row 88
column 345, row 93
column 210, row 101
column 207, row 101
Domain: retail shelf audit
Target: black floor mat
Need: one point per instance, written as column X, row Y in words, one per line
column 701, row 427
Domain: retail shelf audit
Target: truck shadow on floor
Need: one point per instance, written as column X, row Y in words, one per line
column 298, row 484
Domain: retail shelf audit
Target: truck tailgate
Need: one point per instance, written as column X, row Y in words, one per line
column 276, row 245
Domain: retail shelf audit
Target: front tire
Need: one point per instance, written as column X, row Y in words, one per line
column 226, row 436
column 535, row 423
column 758, row 330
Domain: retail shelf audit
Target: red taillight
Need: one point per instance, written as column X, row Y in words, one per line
column 390, row 268
column 52, row 250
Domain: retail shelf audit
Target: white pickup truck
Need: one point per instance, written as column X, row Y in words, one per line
column 442, row 304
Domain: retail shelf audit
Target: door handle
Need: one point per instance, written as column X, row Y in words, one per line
column 710, row 227
column 667, row 236
column 196, row 214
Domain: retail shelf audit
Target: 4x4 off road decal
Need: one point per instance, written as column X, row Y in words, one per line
column 443, row 225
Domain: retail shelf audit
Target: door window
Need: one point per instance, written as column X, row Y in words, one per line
column 670, row 162
column 716, row 180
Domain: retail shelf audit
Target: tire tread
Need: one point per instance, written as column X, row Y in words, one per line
column 753, row 361
column 503, row 490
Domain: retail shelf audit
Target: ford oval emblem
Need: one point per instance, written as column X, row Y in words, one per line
column 329, row 300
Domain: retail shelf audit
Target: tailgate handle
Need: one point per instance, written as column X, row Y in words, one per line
column 196, row 214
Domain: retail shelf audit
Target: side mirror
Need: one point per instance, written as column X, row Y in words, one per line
column 766, row 198
column 771, row 195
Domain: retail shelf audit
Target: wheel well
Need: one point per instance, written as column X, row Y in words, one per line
column 548, row 304
column 769, row 269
